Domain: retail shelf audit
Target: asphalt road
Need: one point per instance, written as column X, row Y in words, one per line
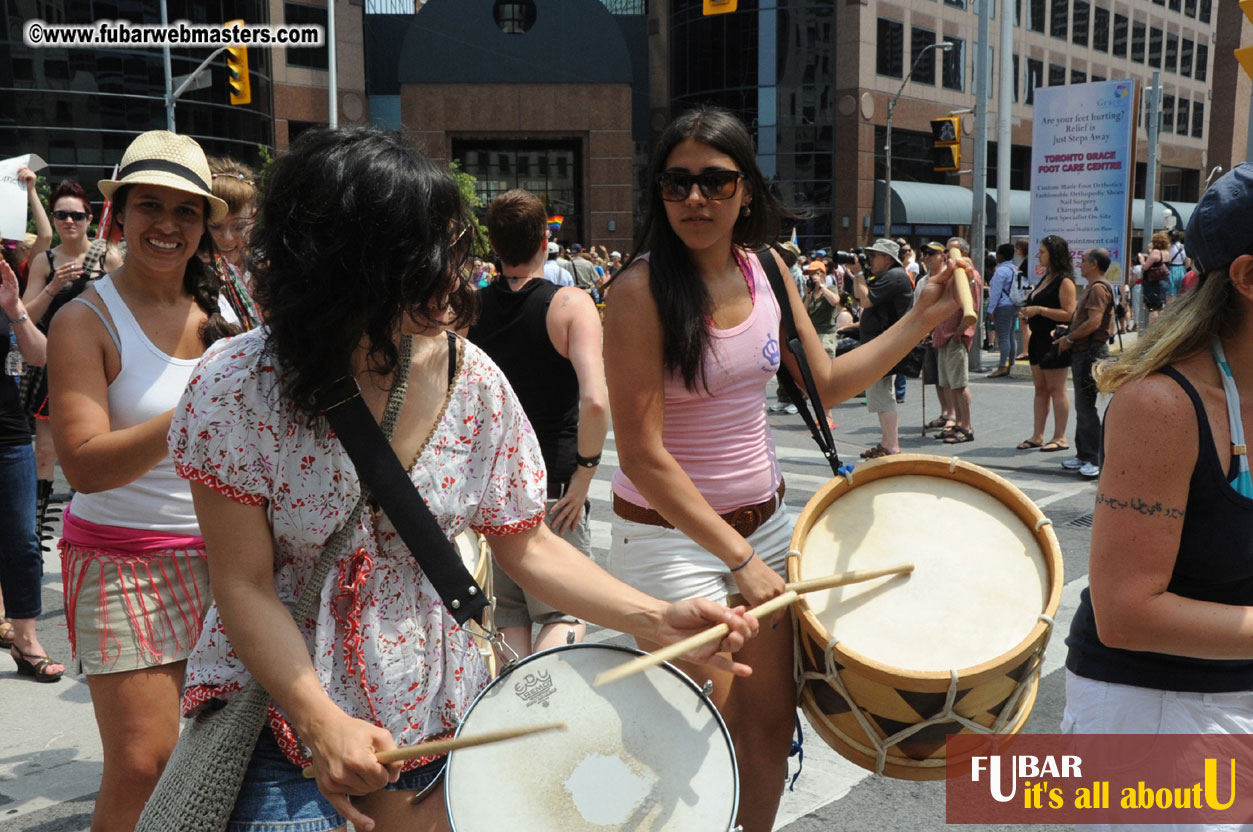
column 50, row 758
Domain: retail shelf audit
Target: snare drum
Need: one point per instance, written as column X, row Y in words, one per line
column 647, row 753
column 889, row 668
column 477, row 556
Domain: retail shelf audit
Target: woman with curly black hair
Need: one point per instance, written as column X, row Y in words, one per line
column 1052, row 302
column 365, row 271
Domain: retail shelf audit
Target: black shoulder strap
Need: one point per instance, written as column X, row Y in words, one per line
column 818, row 427
column 452, row 357
column 381, row 472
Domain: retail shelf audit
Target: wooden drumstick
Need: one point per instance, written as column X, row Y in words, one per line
column 718, row 632
column 963, row 289
column 428, row 749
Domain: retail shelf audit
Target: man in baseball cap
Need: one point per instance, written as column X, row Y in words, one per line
column 884, row 295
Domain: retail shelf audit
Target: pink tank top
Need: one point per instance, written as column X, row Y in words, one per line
column 722, row 438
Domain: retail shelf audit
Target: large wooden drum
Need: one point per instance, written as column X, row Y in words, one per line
column 889, row 668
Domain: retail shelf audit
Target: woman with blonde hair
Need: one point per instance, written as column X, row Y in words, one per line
column 1163, row 638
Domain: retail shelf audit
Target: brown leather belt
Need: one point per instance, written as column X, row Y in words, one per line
column 745, row 520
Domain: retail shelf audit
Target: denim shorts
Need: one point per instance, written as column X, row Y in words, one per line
column 275, row 796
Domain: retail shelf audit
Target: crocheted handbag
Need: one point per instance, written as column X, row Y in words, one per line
column 201, row 781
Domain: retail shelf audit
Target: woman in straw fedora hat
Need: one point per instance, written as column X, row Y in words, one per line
column 120, row 355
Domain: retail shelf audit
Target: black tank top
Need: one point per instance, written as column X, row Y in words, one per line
column 513, row 330
column 1215, row 563
column 93, row 269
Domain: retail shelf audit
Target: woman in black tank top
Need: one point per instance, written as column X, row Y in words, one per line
column 1170, row 603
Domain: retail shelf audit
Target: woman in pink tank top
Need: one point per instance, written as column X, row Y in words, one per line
column 692, row 337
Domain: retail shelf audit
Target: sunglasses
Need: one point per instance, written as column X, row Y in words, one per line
column 76, row 216
column 675, row 185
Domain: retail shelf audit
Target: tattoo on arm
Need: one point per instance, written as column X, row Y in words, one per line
column 565, row 301
column 1149, row 509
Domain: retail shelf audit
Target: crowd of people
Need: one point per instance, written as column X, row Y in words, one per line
column 187, row 359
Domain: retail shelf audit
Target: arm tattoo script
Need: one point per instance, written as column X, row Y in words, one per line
column 1142, row 506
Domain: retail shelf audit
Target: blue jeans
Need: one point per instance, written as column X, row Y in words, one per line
column 20, row 554
column 900, row 386
column 1003, row 317
column 1087, row 420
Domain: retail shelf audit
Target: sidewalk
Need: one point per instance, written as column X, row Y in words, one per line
column 1021, row 369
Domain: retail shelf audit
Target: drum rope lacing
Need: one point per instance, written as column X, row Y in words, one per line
column 1009, row 710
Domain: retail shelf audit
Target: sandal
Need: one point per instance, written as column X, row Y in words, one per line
column 6, row 633
column 960, row 435
column 947, row 433
column 36, row 666
column 1028, row 444
column 878, row 451
column 940, row 422
column 1055, row 445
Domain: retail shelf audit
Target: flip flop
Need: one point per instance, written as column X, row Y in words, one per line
column 1054, row 445
column 6, row 633
column 1027, row 444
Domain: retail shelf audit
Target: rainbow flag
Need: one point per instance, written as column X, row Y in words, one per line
column 554, row 223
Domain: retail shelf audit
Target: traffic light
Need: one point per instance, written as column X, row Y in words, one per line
column 237, row 66
column 719, row 6
column 946, row 147
column 1245, row 53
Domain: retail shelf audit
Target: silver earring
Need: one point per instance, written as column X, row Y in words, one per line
column 745, row 211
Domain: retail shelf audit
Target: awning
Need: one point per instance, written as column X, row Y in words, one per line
column 1183, row 210
column 1137, row 215
column 924, row 203
column 1019, row 209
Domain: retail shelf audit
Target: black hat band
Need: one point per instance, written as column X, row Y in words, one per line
column 165, row 167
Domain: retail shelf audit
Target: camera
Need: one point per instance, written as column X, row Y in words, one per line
column 857, row 255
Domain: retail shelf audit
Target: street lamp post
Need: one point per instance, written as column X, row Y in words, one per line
column 943, row 46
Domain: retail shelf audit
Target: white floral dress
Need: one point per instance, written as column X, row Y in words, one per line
column 381, row 642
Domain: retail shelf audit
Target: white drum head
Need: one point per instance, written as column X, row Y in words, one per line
column 647, row 753
column 468, row 547
column 979, row 583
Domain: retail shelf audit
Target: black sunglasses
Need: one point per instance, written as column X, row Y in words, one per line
column 76, row 216
column 714, row 184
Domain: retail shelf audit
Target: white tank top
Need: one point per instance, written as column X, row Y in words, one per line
column 149, row 384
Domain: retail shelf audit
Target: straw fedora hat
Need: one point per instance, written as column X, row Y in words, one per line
column 160, row 157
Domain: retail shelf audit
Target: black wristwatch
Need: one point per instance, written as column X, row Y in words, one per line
column 587, row 461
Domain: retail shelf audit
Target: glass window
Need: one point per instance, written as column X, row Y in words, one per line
column 954, row 66
column 1078, row 76
column 1035, row 78
column 1198, row 119
column 1172, row 52
column 1173, row 5
column 891, row 52
column 1137, row 41
column 1201, row 70
column 1168, row 114
column 1181, row 118
column 960, row 4
column 1057, row 75
column 299, row 13
column 1061, row 13
column 1079, row 27
column 1096, row 79
column 1189, row 8
column 920, row 39
column 1185, row 58
column 1100, row 29
column 1203, row 16
column 1017, row 12
column 1036, row 15
column 1015, row 78
column 1159, row 2
column 1120, row 36
column 1155, row 48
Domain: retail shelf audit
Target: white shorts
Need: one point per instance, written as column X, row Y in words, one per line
column 1094, row 707
column 669, row 565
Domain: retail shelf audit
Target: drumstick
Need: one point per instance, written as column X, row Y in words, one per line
column 428, row 749
column 793, row 591
column 963, row 290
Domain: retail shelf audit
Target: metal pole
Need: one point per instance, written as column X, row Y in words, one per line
column 169, row 73
column 887, row 170
column 1005, row 99
column 1152, row 116
column 332, row 104
column 978, row 218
